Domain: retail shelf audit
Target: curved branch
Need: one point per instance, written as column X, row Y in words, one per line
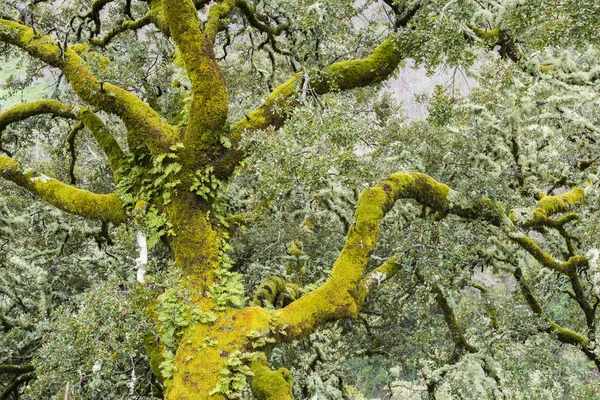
column 100, row 132
column 150, row 18
column 103, row 137
column 250, row 13
column 276, row 292
column 27, row 110
column 105, row 207
column 344, row 75
column 341, row 295
column 137, row 115
column 377, row 277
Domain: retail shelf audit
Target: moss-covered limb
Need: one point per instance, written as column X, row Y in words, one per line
column 456, row 332
column 250, row 13
column 270, row 385
column 275, row 292
column 541, row 214
column 340, row 296
column 378, row 276
column 566, row 267
column 103, row 137
column 564, row 335
column 105, row 207
column 137, row 115
column 343, row 75
column 216, row 13
column 489, row 305
column 209, row 104
column 273, row 112
column 27, row 110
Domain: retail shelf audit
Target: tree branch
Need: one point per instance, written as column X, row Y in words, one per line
column 137, row 115
column 343, row 75
column 209, row 104
column 341, row 294
column 270, row 385
column 105, row 207
column 27, row 110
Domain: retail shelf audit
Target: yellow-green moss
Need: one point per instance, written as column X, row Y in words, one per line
column 106, row 207
column 270, row 385
column 550, row 205
column 198, row 363
column 26, row 110
column 357, row 73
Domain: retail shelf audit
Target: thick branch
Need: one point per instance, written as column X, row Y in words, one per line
column 137, row 115
column 105, row 207
column 209, row 104
column 340, row 296
column 270, row 385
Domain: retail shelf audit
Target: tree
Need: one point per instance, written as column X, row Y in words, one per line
column 183, row 147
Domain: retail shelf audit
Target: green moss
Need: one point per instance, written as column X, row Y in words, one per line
column 105, row 207
column 197, row 364
column 27, row 110
column 270, row 385
column 550, row 205
column 275, row 292
column 357, row 73
column 490, row 34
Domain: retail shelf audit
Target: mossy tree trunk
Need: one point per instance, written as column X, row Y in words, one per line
column 196, row 241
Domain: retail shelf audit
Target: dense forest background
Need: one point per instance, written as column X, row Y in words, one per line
column 483, row 289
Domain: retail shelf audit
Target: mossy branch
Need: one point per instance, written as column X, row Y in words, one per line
column 344, row 75
column 342, row 294
column 276, row 292
column 137, row 115
column 105, row 207
column 270, row 385
column 564, row 335
column 216, row 13
column 27, row 110
column 209, row 104
column 377, row 277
